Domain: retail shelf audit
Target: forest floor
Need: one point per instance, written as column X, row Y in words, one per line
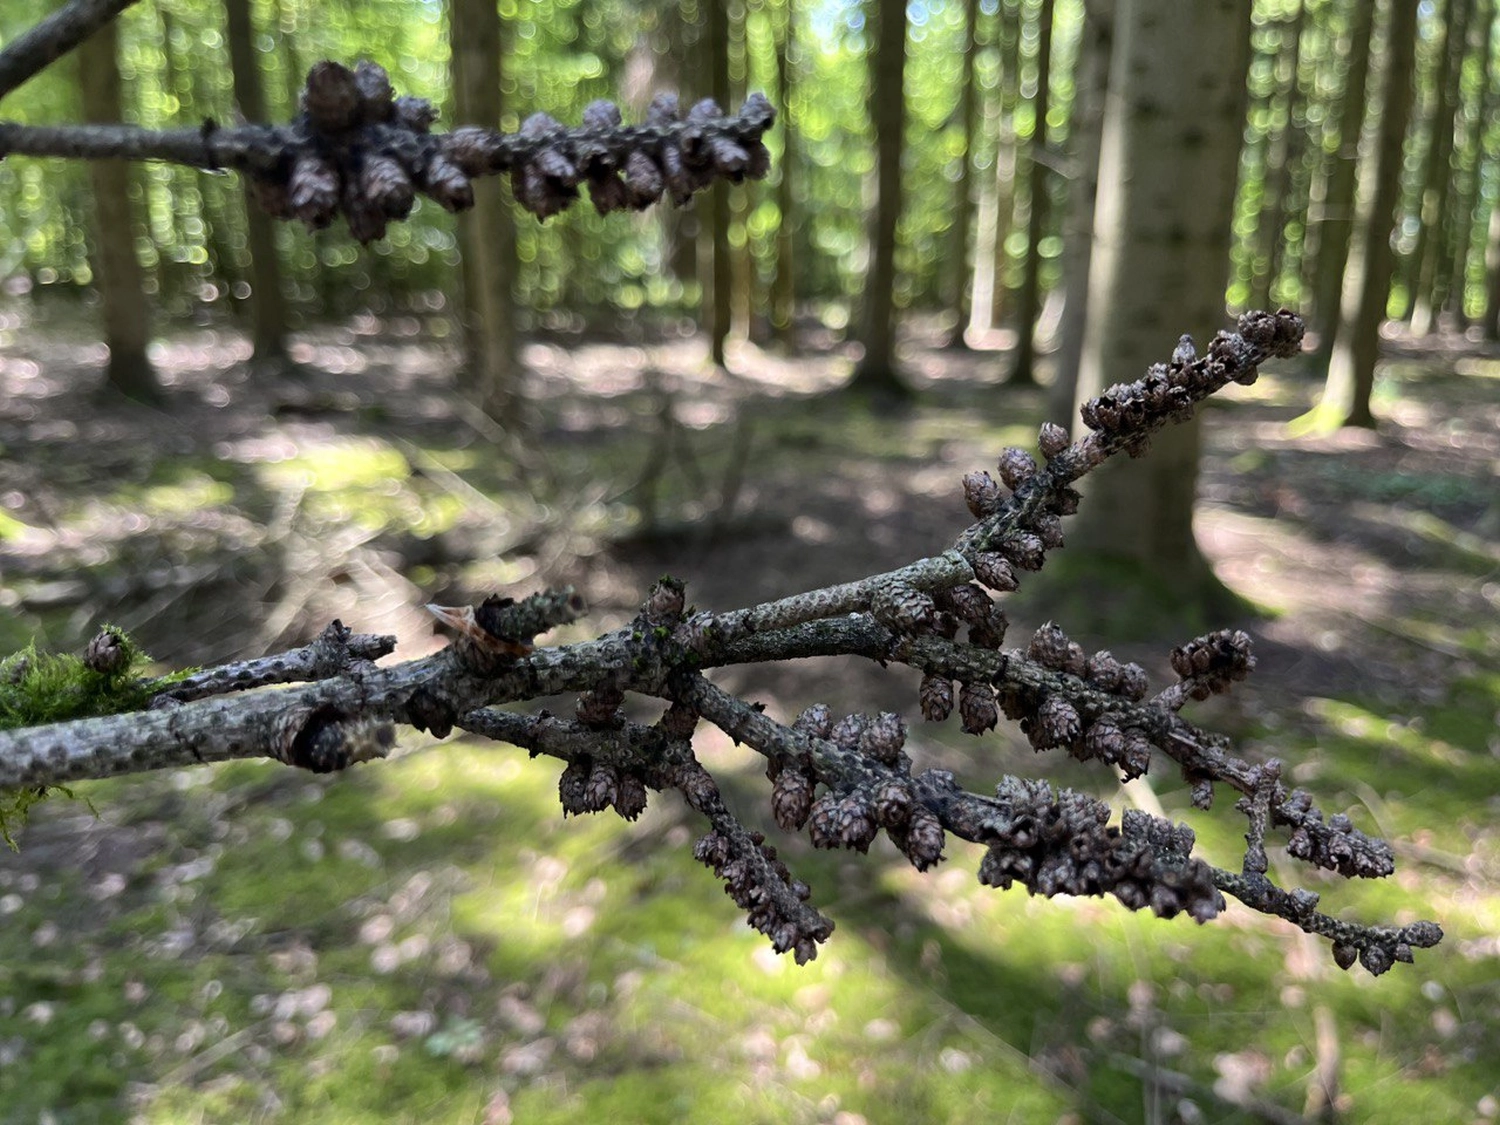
column 426, row 939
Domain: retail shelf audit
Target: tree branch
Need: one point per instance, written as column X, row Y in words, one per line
column 33, row 51
column 359, row 151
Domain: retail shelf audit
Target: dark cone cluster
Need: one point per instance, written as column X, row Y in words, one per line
column 1056, row 843
column 1169, row 391
column 360, row 151
column 1208, row 665
column 1336, row 845
column 761, row 885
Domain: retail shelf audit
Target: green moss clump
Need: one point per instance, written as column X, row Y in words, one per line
column 45, row 687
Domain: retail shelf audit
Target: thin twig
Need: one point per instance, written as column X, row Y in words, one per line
column 34, row 50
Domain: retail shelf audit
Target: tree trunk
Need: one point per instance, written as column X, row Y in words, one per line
column 486, row 234
column 1168, row 165
column 1023, row 371
column 1090, row 81
column 1367, row 280
column 958, row 273
column 267, row 302
column 1008, row 37
column 784, row 287
column 1436, row 192
column 1337, row 221
column 1277, row 172
column 721, row 309
column 876, row 372
column 1472, row 154
column 120, row 279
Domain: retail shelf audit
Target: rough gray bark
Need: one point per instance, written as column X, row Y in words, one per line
column 958, row 273
column 721, row 305
column 1367, row 278
column 1277, row 172
column 876, row 373
column 486, row 234
column 120, row 279
column 784, row 287
column 1168, row 164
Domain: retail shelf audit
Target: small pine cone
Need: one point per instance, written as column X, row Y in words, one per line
column 573, row 786
column 416, row 114
column 981, row 494
column 643, row 181
column 445, row 182
column 1076, row 663
column 712, row 850
column 936, row 697
column 331, row 97
column 791, row 799
column 1105, row 741
column 822, row 822
column 923, row 839
column 1134, row 683
column 1056, row 724
column 1137, row 759
column 630, row 800
column 1067, row 501
column 663, row 109
column 674, row 173
column 728, row 157
column 313, row 190
column 969, row 601
column 883, row 738
column 1024, row 550
column 989, row 633
column 386, row 185
column 893, row 805
column 1203, row 793
column 601, row 114
column 377, row 101
column 678, row 721
column 474, row 149
column 705, row 110
column 1344, row 955
column 902, row 608
column 600, row 708
column 1016, row 467
column 665, row 603
column 602, row 788
column 539, row 126
column 995, row 571
column 107, row 654
column 945, row 625
column 1049, row 530
column 815, row 722
column 608, row 193
column 1376, row 959
column 1049, row 647
column 1051, row 439
column 856, row 825
column 977, row 709
column 366, row 221
column 1103, row 671
column 848, row 731
column 551, row 163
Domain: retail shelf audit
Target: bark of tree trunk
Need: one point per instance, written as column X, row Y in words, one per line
column 1023, row 370
column 958, row 275
column 1277, row 175
column 876, row 372
column 1090, row 81
column 1337, row 222
column 1436, row 192
column 486, row 234
column 1456, row 264
column 784, row 287
column 267, row 302
column 721, row 309
column 1168, row 165
column 1367, row 280
column 120, row 279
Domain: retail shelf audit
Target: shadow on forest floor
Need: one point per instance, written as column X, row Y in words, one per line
column 324, row 929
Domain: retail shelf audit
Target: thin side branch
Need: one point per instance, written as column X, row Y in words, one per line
column 35, row 50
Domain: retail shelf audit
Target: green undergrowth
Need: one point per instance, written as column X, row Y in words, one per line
column 430, row 940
